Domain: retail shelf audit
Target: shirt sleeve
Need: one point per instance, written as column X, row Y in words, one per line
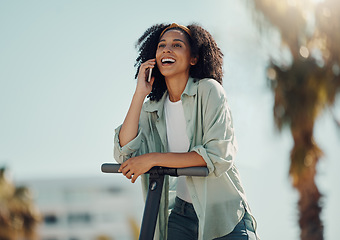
column 129, row 150
column 218, row 146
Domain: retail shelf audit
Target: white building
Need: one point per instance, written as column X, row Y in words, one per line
column 87, row 208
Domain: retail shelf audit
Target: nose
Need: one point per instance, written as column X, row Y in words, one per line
column 167, row 49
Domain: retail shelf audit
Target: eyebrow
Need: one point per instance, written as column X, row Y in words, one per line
column 176, row 39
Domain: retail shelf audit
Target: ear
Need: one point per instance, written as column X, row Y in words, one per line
column 193, row 61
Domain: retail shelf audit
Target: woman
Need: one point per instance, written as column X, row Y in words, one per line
column 185, row 123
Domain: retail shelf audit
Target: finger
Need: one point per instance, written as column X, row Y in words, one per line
column 129, row 175
column 123, row 165
column 150, row 60
column 146, row 70
column 143, row 72
column 134, row 178
column 121, row 168
column 125, row 170
column 146, row 65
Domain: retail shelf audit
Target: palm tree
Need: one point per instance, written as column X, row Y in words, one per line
column 6, row 192
column 303, row 88
column 18, row 214
column 22, row 207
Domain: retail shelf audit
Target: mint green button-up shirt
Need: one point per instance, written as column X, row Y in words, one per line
column 219, row 199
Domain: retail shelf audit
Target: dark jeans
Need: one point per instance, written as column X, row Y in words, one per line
column 183, row 224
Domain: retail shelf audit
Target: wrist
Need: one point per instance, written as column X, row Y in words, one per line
column 155, row 159
column 139, row 95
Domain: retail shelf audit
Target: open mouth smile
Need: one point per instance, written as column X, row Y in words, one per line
column 167, row 61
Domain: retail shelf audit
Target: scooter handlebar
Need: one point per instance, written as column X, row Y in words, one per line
column 193, row 171
column 189, row 171
column 110, row 168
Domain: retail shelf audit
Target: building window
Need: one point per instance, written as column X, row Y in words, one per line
column 50, row 219
column 79, row 218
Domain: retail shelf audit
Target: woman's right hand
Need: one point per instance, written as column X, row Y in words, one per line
column 143, row 86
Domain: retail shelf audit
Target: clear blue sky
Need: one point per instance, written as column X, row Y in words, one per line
column 67, row 77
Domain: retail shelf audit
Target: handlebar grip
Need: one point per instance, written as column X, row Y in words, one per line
column 193, row 171
column 110, row 168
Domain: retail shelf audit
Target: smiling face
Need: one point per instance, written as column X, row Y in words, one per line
column 173, row 54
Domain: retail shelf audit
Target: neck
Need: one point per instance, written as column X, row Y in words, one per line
column 176, row 86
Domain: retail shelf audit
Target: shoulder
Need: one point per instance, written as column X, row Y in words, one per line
column 210, row 88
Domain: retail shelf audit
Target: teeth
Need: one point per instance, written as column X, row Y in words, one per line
column 168, row 60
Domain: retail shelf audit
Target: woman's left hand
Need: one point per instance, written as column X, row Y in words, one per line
column 136, row 166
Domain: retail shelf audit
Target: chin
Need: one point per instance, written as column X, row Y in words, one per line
column 167, row 73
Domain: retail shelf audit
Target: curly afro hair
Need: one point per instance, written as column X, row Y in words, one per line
column 203, row 46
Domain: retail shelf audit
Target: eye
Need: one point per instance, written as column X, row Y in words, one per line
column 177, row 45
column 161, row 45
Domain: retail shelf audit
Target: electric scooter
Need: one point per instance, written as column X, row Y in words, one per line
column 156, row 179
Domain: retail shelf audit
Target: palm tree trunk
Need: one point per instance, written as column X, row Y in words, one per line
column 304, row 158
column 309, row 208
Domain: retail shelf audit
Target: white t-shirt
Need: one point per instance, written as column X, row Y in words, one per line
column 177, row 139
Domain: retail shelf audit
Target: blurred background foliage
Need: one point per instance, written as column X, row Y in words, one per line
column 304, row 87
column 19, row 216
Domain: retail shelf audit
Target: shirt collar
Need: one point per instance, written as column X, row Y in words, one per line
column 191, row 87
column 154, row 106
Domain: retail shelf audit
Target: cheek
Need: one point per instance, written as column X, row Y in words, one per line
column 158, row 56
